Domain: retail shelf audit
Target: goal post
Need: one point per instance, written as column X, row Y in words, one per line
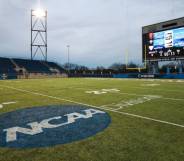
column 137, row 68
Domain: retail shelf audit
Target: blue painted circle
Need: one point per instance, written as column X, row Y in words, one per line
column 45, row 136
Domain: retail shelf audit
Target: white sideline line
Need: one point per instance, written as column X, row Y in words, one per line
column 123, row 113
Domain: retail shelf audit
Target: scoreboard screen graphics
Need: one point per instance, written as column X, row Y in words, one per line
column 164, row 44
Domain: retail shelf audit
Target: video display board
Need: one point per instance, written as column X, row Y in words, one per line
column 165, row 44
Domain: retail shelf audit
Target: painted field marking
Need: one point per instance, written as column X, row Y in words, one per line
column 97, row 78
column 168, row 81
column 96, row 92
column 80, row 88
column 131, row 94
column 165, row 90
column 79, row 103
column 180, row 81
column 147, row 80
column 150, row 85
column 102, row 91
column 106, row 107
column 134, row 94
column 161, row 97
column 123, row 104
column 6, row 103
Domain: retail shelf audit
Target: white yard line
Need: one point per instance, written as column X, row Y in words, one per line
column 79, row 103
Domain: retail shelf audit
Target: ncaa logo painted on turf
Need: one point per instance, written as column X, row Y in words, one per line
column 50, row 125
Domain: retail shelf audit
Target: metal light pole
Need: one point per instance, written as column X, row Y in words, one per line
column 68, row 47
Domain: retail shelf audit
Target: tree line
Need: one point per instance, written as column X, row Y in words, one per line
column 117, row 68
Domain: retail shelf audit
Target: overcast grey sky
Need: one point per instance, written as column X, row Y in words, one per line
column 99, row 31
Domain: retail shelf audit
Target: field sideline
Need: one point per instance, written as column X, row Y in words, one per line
column 147, row 118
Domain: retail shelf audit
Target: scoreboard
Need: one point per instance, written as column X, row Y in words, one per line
column 164, row 41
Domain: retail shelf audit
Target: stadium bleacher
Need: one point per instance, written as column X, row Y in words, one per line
column 13, row 66
column 6, row 66
column 32, row 66
column 55, row 66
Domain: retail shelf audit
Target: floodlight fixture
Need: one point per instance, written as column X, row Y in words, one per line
column 39, row 13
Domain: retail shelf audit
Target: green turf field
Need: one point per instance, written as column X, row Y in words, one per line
column 147, row 118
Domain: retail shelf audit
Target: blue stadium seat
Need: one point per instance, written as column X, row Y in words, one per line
column 32, row 66
column 55, row 66
column 6, row 66
column 36, row 66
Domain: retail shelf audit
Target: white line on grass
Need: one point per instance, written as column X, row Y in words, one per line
column 84, row 104
column 109, row 107
column 164, row 90
column 125, row 104
column 161, row 97
column 8, row 103
column 106, row 107
column 132, row 94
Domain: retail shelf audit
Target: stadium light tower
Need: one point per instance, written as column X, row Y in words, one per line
column 39, row 33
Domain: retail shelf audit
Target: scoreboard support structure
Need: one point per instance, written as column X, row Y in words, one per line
column 181, row 65
column 153, row 67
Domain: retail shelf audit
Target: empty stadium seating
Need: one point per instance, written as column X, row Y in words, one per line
column 32, row 66
column 13, row 66
column 55, row 66
column 6, row 66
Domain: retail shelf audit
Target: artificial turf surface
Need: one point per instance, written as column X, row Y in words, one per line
column 153, row 133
